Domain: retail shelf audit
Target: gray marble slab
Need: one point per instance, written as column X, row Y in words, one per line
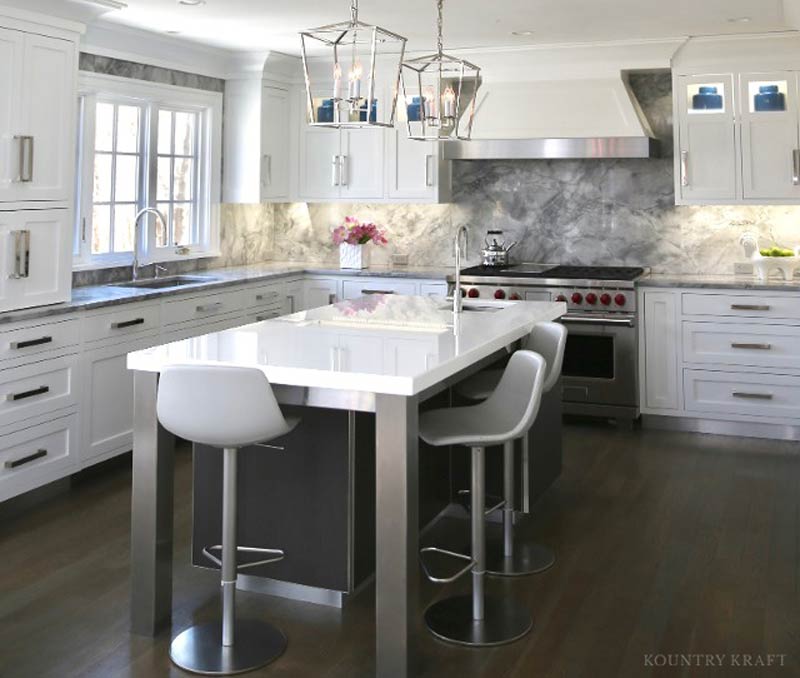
column 734, row 282
column 92, row 297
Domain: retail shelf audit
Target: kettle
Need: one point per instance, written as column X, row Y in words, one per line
column 495, row 254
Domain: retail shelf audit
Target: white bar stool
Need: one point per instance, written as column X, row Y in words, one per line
column 507, row 414
column 507, row 558
column 229, row 408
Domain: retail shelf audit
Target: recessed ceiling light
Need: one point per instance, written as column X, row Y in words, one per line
column 522, row 33
column 740, row 20
column 192, row 3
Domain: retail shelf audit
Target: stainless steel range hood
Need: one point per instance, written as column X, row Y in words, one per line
column 561, row 119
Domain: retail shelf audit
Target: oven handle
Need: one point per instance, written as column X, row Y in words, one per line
column 626, row 321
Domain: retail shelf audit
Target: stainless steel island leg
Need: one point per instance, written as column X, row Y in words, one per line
column 151, row 512
column 397, row 525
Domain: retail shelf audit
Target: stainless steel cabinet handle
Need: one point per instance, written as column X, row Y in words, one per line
column 13, row 397
column 25, row 175
column 752, row 396
column 271, row 295
column 627, row 322
column 796, row 167
column 749, row 307
column 429, row 170
column 266, row 316
column 755, row 347
column 335, row 170
column 27, row 343
column 127, row 323
column 206, row 308
column 684, row 168
column 344, row 172
column 22, row 254
column 266, row 170
column 14, row 463
column 290, row 297
column 377, row 291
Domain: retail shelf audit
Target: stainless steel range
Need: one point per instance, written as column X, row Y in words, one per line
column 600, row 375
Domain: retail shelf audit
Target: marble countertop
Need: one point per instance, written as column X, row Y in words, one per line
column 737, row 282
column 362, row 345
column 98, row 296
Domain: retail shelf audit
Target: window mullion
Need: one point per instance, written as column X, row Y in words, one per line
column 152, row 174
column 112, row 212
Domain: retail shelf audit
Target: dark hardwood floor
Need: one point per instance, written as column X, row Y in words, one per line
column 667, row 543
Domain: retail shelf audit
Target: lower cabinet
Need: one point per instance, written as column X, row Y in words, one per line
column 107, row 406
column 658, row 352
column 320, row 292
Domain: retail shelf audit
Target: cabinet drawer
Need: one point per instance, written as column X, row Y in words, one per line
column 199, row 329
column 124, row 321
column 742, row 305
column 37, row 389
column 264, row 295
column 759, row 395
column 201, row 308
column 37, row 455
column 33, row 340
column 264, row 314
column 752, row 344
column 352, row 289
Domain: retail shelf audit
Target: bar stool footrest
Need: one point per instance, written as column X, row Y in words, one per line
column 450, row 554
column 493, row 502
column 277, row 553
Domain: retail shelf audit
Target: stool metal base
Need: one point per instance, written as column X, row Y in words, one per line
column 504, row 621
column 527, row 558
column 199, row 649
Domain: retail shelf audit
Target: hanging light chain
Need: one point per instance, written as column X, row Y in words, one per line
column 353, row 11
column 440, row 27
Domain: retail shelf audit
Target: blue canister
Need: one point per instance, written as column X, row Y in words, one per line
column 769, row 99
column 325, row 112
column 373, row 114
column 414, row 109
column 707, row 99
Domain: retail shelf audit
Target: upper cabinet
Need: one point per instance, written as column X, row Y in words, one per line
column 737, row 120
column 38, row 78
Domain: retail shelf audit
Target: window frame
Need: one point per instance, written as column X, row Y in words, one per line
column 151, row 97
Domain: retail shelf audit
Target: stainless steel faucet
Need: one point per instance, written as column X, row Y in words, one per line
column 137, row 236
column 457, row 301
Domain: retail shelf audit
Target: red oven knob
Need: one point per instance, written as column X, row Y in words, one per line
column 605, row 299
column 620, row 300
column 514, row 297
column 473, row 293
column 591, row 298
column 577, row 297
column 561, row 297
column 499, row 294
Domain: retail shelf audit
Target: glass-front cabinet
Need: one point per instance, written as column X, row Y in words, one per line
column 706, row 150
column 769, row 119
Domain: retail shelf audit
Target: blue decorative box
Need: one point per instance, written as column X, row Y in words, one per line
column 373, row 114
column 325, row 112
column 414, row 110
column 769, row 99
column 707, row 100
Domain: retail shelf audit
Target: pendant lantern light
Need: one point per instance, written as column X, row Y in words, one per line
column 341, row 85
column 439, row 93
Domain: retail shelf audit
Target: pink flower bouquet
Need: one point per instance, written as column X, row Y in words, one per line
column 353, row 232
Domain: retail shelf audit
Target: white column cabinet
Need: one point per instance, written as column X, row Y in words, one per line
column 275, row 143
column 11, row 54
column 658, row 355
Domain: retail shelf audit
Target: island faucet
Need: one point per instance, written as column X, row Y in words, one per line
column 137, row 237
column 457, row 301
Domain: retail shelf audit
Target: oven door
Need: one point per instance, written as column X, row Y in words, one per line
column 600, row 364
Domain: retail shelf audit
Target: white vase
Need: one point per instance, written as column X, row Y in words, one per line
column 353, row 256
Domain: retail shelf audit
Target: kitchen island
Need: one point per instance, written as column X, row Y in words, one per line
column 379, row 354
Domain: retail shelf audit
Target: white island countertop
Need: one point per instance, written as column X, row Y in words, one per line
column 382, row 344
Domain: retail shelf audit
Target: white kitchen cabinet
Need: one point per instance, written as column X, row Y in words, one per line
column 320, row 292
column 35, row 258
column 659, row 344
column 319, row 164
column 38, row 77
column 294, row 296
column 416, row 170
column 275, row 144
column 706, row 148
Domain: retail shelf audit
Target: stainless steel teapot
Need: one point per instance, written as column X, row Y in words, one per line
column 495, row 253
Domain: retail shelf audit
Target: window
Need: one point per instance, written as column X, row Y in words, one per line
column 146, row 145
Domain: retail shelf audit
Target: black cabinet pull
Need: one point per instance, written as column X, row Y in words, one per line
column 127, row 323
column 14, row 463
column 28, row 394
column 31, row 342
column 377, row 291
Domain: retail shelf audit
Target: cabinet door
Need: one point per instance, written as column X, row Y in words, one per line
column 35, row 258
column 706, row 153
column 659, row 345
column 318, row 293
column 319, row 164
column 412, row 167
column 11, row 50
column 294, row 297
column 107, row 407
column 361, row 174
column 770, row 156
column 48, row 105
column 275, row 144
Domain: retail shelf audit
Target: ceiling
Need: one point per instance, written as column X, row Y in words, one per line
column 272, row 24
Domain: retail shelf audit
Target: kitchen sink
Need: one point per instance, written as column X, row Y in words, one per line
column 167, row 282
